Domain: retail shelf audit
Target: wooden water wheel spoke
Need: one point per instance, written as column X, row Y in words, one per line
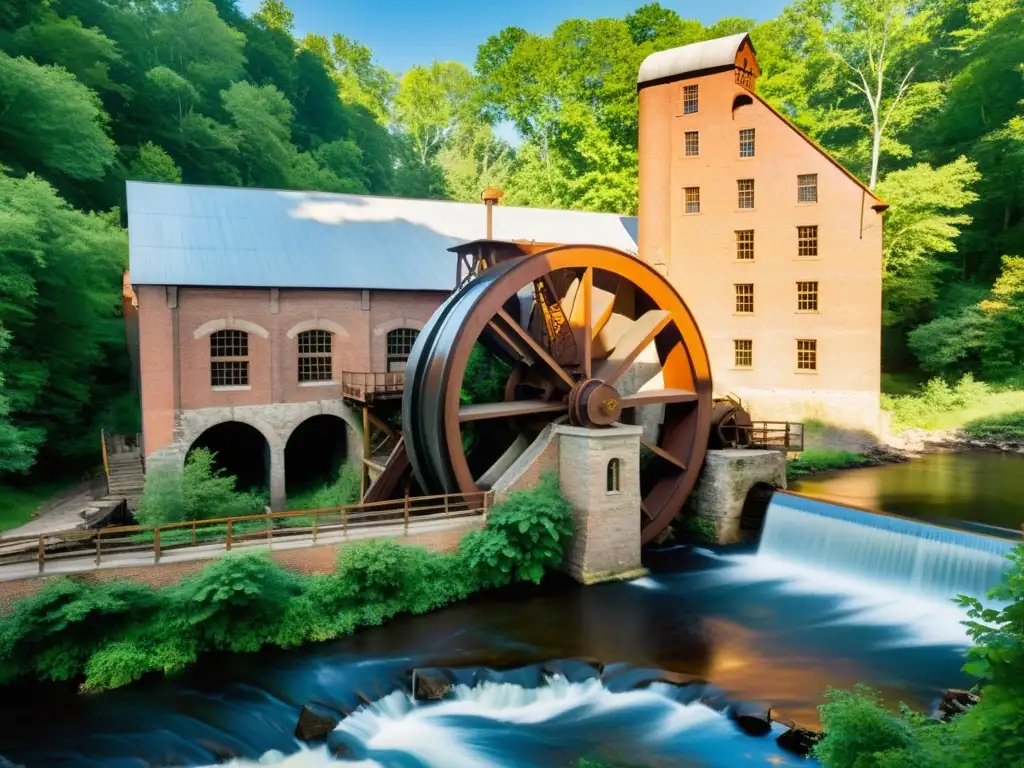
column 535, row 348
column 657, row 451
column 646, row 512
column 508, row 409
column 633, row 342
column 656, row 396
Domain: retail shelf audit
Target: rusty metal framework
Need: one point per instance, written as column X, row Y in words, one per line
column 570, row 322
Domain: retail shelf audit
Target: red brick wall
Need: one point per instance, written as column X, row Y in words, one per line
column 319, row 559
column 273, row 362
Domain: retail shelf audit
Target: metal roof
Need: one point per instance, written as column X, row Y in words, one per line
column 181, row 234
column 694, row 57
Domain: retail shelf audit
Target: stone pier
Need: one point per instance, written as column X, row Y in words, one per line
column 726, row 483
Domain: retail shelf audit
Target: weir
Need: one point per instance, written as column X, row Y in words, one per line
column 907, row 555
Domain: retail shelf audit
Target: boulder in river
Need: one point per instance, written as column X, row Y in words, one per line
column 574, row 670
column 799, row 741
column 954, row 702
column 432, row 684
column 621, row 678
column 752, row 719
column 316, row 721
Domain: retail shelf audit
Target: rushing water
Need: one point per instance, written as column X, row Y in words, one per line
column 829, row 597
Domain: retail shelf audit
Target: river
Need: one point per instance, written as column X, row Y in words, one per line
column 768, row 623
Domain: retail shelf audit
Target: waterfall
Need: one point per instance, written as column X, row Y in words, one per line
column 897, row 553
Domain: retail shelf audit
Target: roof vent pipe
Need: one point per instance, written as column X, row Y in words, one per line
column 491, row 196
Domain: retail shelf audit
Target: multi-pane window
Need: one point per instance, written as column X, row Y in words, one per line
column 315, row 356
column 743, row 353
column 807, row 188
column 747, row 142
column 745, row 189
column 229, row 363
column 745, row 244
column 691, row 141
column 807, row 296
column 691, row 198
column 400, row 342
column 807, row 241
column 806, row 355
column 689, row 99
column 745, row 298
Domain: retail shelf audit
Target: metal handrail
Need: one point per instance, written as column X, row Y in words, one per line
column 133, row 538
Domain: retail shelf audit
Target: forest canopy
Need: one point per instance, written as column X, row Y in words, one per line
column 922, row 100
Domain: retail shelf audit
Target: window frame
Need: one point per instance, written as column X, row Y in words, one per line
column 317, row 358
column 753, row 142
column 741, row 193
column 687, row 202
column 808, row 364
column 743, row 298
column 405, row 339
column 807, row 296
column 743, row 245
column 747, row 352
column 686, row 143
column 800, row 187
column 613, row 476
column 807, row 241
column 229, row 360
column 691, row 105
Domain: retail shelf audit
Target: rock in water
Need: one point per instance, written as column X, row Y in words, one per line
column 316, row 721
column 752, row 718
column 954, row 702
column 431, row 684
column 799, row 741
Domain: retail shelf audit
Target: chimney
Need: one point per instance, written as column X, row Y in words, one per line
column 491, row 196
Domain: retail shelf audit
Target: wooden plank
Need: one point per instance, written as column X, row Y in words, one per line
column 641, row 333
column 655, row 396
column 508, row 409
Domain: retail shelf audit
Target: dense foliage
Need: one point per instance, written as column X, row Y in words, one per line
column 108, row 634
column 861, row 733
column 922, row 100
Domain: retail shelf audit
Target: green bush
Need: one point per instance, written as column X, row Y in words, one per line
column 200, row 492
column 341, row 493
column 524, row 536
column 936, row 397
column 110, row 634
column 822, row 460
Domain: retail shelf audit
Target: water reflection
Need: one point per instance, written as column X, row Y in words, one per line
column 981, row 487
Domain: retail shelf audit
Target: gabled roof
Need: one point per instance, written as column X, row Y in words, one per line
column 181, row 234
column 695, row 57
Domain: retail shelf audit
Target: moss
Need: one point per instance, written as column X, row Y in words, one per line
column 816, row 460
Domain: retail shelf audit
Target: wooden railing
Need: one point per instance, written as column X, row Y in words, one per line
column 232, row 532
column 364, row 386
column 785, row 436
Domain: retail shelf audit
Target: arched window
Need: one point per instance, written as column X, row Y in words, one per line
column 315, row 356
column 741, row 100
column 400, row 343
column 229, row 359
column 613, row 476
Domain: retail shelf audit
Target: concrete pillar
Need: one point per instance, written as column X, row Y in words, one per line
column 278, row 499
column 606, row 543
column 726, row 481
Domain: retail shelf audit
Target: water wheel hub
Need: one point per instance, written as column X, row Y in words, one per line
column 592, row 403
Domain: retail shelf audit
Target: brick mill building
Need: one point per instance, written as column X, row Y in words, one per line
column 250, row 306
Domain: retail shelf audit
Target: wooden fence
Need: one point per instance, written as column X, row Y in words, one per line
column 231, row 532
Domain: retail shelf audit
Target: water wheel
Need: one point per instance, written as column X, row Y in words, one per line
column 731, row 425
column 587, row 335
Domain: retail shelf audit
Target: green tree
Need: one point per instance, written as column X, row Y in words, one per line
column 151, row 163
column 429, row 104
column 276, row 15
column 262, row 121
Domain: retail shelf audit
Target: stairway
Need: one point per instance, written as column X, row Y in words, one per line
column 127, row 476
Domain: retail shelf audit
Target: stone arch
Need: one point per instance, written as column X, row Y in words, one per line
column 230, row 323
column 316, row 450
column 755, row 507
column 394, row 325
column 240, row 449
column 318, row 324
column 741, row 100
column 300, row 412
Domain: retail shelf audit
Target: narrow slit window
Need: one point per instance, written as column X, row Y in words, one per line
column 744, row 298
column 691, row 197
column 229, row 359
column 807, row 242
column 745, row 190
column 613, row 476
column 807, row 188
column 743, row 350
column 747, row 142
column 691, row 140
column 745, row 244
column 806, row 355
column 807, row 296
column 689, row 99
column 315, row 356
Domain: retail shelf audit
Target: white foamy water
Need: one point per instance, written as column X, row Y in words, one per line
column 442, row 734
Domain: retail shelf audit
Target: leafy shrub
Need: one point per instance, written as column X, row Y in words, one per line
column 935, row 398
column 524, row 536
column 340, row 493
column 200, row 492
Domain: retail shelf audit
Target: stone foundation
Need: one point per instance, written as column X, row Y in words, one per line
column 725, row 483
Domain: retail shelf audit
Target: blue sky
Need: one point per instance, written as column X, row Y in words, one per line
column 406, row 32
